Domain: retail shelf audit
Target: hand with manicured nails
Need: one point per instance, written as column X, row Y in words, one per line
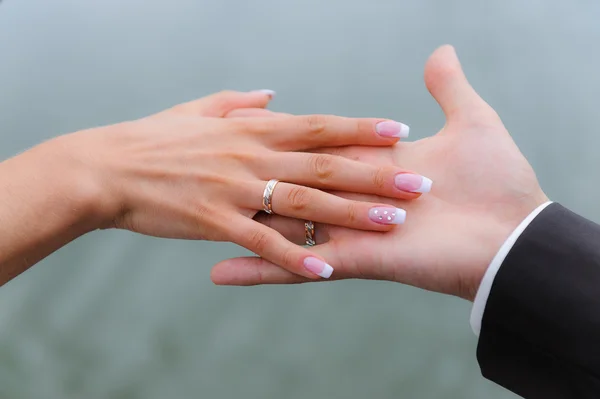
column 483, row 189
column 190, row 173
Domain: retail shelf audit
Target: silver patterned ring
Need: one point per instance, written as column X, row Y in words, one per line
column 309, row 233
column 268, row 196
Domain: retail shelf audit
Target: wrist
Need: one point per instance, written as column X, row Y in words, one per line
column 486, row 242
column 494, row 236
column 81, row 180
column 46, row 202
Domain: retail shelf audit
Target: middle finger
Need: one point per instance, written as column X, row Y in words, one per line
column 333, row 172
column 296, row 133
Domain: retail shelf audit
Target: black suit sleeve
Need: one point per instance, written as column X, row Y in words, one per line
column 540, row 332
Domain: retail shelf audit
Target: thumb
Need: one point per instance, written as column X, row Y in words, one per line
column 448, row 84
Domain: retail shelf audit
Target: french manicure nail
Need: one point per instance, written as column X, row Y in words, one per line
column 412, row 183
column 270, row 93
column 392, row 129
column 385, row 215
column 318, row 267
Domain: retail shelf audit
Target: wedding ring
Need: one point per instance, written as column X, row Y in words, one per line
column 268, row 196
column 309, row 233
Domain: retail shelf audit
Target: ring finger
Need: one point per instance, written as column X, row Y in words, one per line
column 311, row 204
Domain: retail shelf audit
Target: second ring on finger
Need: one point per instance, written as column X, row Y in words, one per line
column 293, row 229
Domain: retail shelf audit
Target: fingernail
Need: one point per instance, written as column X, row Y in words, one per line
column 392, row 129
column 318, row 267
column 270, row 93
column 385, row 215
column 412, row 183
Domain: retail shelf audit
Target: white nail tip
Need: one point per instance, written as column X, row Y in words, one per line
column 400, row 216
column 327, row 271
column 404, row 131
column 425, row 186
column 268, row 92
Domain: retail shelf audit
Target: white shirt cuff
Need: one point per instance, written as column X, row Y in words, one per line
column 488, row 278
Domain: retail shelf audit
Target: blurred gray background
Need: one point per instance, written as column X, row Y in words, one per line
column 115, row 315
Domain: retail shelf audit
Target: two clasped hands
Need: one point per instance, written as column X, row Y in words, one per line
column 199, row 170
column 439, row 236
column 460, row 212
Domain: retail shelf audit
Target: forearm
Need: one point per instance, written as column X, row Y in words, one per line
column 46, row 201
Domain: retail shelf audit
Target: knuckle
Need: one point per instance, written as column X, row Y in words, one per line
column 316, row 124
column 260, row 277
column 257, row 126
column 204, row 225
column 241, row 125
column 364, row 127
column 379, row 177
column 352, row 213
column 200, row 213
column 247, row 158
column 299, row 198
column 259, row 241
column 321, row 166
column 127, row 221
column 288, row 257
column 216, row 179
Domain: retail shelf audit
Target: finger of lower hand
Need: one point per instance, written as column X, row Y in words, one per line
column 247, row 271
column 252, row 271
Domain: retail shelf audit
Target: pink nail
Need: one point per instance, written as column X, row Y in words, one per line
column 385, row 215
column 318, row 267
column 392, row 129
column 412, row 183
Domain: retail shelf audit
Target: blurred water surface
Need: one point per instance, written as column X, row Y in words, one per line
column 115, row 315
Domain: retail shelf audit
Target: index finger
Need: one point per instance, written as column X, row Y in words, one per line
column 296, row 133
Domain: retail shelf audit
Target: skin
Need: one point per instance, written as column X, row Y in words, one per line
column 483, row 188
column 190, row 173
